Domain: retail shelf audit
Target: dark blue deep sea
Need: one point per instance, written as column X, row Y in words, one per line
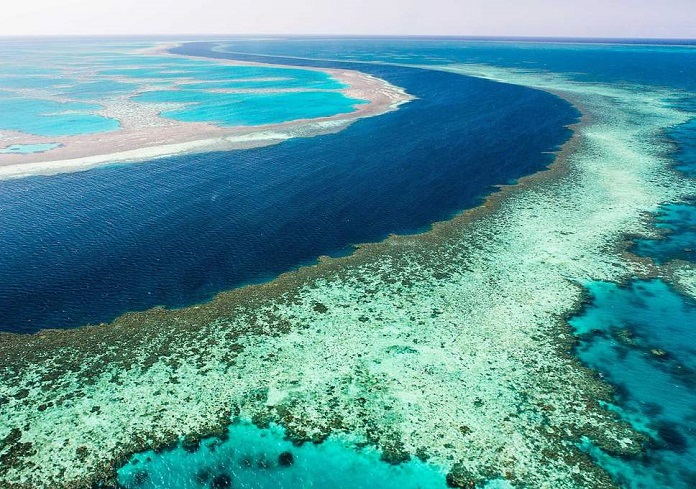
column 86, row 247
column 672, row 66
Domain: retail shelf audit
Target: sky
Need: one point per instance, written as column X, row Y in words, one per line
column 540, row 18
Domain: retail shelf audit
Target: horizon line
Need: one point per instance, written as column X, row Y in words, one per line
column 357, row 36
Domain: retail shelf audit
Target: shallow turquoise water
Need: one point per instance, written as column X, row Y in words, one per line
column 642, row 338
column 157, row 72
column 253, row 458
column 97, row 89
column 13, row 70
column 232, row 109
column 28, row 148
column 272, row 83
column 678, row 221
column 48, row 118
column 29, row 81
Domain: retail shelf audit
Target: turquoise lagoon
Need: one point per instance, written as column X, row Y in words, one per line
column 232, row 76
column 98, row 89
column 249, row 109
column 49, row 118
column 30, row 81
column 678, row 223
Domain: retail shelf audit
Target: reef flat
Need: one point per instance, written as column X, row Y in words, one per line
column 157, row 104
column 450, row 346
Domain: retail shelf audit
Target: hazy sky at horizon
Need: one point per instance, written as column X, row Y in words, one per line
column 572, row 18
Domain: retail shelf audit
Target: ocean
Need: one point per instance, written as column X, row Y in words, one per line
column 86, row 247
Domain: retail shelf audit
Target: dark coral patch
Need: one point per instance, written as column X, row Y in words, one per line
column 286, row 459
column 672, row 438
column 222, row 481
column 191, row 444
column 202, row 476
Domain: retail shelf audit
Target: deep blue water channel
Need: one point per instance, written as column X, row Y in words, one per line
column 86, row 247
